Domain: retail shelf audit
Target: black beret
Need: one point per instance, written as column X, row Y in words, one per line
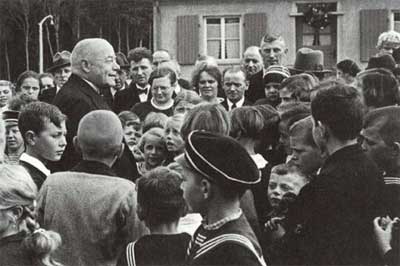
column 221, row 159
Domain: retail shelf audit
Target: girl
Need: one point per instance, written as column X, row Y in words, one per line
column 154, row 150
column 28, row 85
column 22, row 242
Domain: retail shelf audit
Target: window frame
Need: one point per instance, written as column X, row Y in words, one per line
column 392, row 21
column 222, row 18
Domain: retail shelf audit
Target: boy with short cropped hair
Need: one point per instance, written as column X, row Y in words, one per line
column 160, row 204
column 42, row 126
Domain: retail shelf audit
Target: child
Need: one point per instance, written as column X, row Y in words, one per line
column 22, row 241
column 172, row 131
column 154, row 150
column 14, row 141
column 42, row 126
column 132, row 128
column 213, row 186
column 160, row 205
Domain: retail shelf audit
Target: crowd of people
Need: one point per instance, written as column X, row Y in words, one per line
column 109, row 159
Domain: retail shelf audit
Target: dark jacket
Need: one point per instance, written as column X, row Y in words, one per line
column 124, row 100
column 334, row 212
column 75, row 99
column 225, row 103
column 48, row 95
column 256, row 87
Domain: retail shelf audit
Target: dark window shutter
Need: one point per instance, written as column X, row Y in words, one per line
column 187, row 39
column 254, row 28
column 372, row 23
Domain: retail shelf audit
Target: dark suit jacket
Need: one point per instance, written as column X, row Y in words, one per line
column 124, row 100
column 75, row 99
column 225, row 103
column 37, row 176
column 256, row 87
column 337, row 209
column 48, row 95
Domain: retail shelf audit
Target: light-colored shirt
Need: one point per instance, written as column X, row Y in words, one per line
column 35, row 162
column 238, row 104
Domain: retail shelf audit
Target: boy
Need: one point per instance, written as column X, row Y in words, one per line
column 284, row 179
column 42, row 126
column 213, row 186
column 132, row 128
column 160, row 206
column 14, row 141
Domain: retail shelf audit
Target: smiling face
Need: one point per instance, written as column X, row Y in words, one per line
column 273, row 52
column 5, row 95
column 14, row 140
column 141, row 71
column 235, row 85
column 154, row 152
column 162, row 90
column 103, row 67
column 208, row 86
column 49, row 145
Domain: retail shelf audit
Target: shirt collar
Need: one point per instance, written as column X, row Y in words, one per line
column 35, row 162
column 223, row 221
column 147, row 87
column 259, row 160
column 238, row 103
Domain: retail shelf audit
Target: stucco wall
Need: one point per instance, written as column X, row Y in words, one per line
column 279, row 21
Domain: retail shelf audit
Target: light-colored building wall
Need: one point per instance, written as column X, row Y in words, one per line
column 280, row 20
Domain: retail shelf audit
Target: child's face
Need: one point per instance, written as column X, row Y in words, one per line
column 271, row 91
column 132, row 134
column 49, row 145
column 30, row 87
column 13, row 138
column 154, row 152
column 281, row 184
column 173, row 137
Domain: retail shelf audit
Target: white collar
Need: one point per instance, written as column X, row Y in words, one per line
column 238, row 104
column 35, row 163
column 147, row 87
column 92, row 85
column 177, row 88
column 259, row 160
column 161, row 107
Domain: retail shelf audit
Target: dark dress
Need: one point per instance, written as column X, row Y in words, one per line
column 234, row 243
column 332, row 216
column 143, row 109
column 12, row 253
column 156, row 250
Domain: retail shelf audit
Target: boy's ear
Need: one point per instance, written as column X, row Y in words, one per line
column 30, row 138
column 206, row 188
column 76, row 144
column 396, row 148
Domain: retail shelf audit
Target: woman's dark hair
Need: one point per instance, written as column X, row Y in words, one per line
column 348, row 66
column 211, row 70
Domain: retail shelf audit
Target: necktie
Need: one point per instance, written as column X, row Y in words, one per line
column 142, row 91
column 233, row 106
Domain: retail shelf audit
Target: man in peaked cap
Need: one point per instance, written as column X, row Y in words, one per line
column 213, row 185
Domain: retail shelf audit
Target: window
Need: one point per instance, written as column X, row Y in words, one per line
column 396, row 21
column 223, row 37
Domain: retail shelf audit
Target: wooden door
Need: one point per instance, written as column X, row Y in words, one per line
column 323, row 39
